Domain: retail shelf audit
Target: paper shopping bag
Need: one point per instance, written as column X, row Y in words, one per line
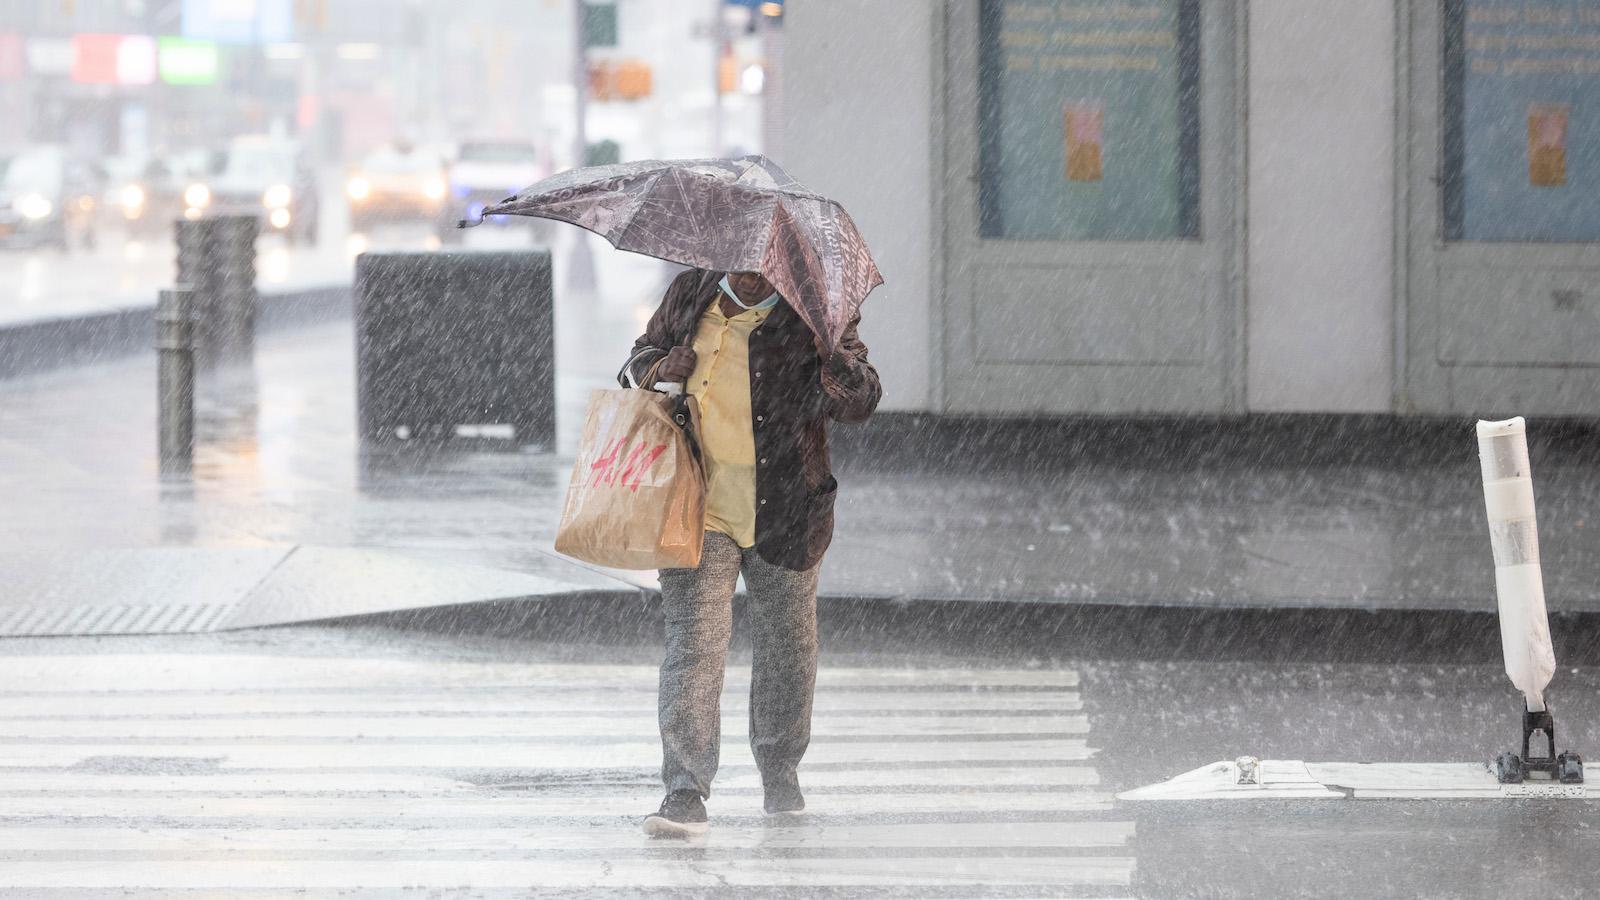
column 637, row 499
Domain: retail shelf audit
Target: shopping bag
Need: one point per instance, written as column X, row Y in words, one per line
column 637, row 499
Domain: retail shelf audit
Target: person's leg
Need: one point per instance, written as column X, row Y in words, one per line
column 783, row 672
column 699, row 609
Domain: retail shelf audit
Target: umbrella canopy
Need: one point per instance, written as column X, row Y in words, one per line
column 731, row 215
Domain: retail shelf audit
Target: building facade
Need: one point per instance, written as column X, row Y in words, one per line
column 1209, row 207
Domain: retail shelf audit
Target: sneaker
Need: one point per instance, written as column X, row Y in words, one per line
column 682, row 815
column 783, row 798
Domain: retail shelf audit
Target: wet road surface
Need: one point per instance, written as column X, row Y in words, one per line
column 241, row 772
column 479, row 758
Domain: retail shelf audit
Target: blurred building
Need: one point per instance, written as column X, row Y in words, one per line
column 1169, row 207
column 164, row 76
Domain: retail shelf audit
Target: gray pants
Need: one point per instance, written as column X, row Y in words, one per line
column 783, row 617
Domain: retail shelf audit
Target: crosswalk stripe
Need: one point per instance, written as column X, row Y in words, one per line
column 596, row 873
column 1098, row 891
column 129, row 672
column 526, row 755
column 58, row 783
column 426, row 811
column 314, row 773
column 520, row 701
column 184, row 843
column 547, row 728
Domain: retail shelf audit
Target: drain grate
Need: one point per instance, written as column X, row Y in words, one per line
column 168, row 618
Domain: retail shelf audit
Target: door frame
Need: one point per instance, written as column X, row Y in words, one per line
column 1216, row 385
column 1425, row 384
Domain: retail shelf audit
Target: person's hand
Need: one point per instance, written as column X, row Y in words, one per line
column 678, row 365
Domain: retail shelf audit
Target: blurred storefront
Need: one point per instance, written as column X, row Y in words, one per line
column 343, row 76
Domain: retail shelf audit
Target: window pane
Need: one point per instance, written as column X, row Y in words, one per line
column 1090, row 126
column 1521, row 120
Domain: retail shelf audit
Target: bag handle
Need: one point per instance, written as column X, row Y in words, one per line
column 625, row 374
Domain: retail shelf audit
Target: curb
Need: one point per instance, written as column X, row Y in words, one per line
column 1039, row 629
column 31, row 347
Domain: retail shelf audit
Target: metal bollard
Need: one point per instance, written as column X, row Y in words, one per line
column 236, row 298
column 217, row 258
column 197, row 270
column 175, row 380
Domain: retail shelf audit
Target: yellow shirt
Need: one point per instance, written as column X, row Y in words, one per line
column 721, row 385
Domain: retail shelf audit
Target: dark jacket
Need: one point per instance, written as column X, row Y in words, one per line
column 793, row 393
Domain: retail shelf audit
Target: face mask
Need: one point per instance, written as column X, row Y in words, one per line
column 768, row 303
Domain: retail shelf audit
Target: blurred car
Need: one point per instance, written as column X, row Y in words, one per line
column 47, row 197
column 119, row 171
column 397, row 182
column 486, row 172
column 258, row 176
column 146, row 195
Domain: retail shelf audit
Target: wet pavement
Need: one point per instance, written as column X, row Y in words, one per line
column 1329, row 513
column 389, row 757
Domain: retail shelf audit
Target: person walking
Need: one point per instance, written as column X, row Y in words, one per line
column 766, row 387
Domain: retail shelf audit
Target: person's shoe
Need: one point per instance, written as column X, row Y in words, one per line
column 682, row 815
column 783, row 798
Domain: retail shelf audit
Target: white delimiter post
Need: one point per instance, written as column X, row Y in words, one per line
column 1508, row 495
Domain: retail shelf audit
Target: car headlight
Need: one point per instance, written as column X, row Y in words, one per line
column 132, row 197
column 197, row 195
column 33, row 206
column 359, row 188
column 433, row 188
column 277, row 196
column 279, row 218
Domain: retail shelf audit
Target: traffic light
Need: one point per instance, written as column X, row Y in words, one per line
column 599, row 24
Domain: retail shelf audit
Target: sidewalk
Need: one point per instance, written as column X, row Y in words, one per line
column 282, row 523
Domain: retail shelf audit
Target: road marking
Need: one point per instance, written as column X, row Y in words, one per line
column 334, row 774
column 664, row 873
column 58, row 783
column 61, row 783
column 427, row 811
column 553, row 728
column 265, row 843
column 510, row 701
column 129, row 672
column 355, row 755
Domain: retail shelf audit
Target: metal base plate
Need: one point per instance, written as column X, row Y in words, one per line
column 1295, row 780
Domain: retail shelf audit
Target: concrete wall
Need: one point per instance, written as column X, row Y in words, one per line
column 1321, row 206
column 857, row 127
